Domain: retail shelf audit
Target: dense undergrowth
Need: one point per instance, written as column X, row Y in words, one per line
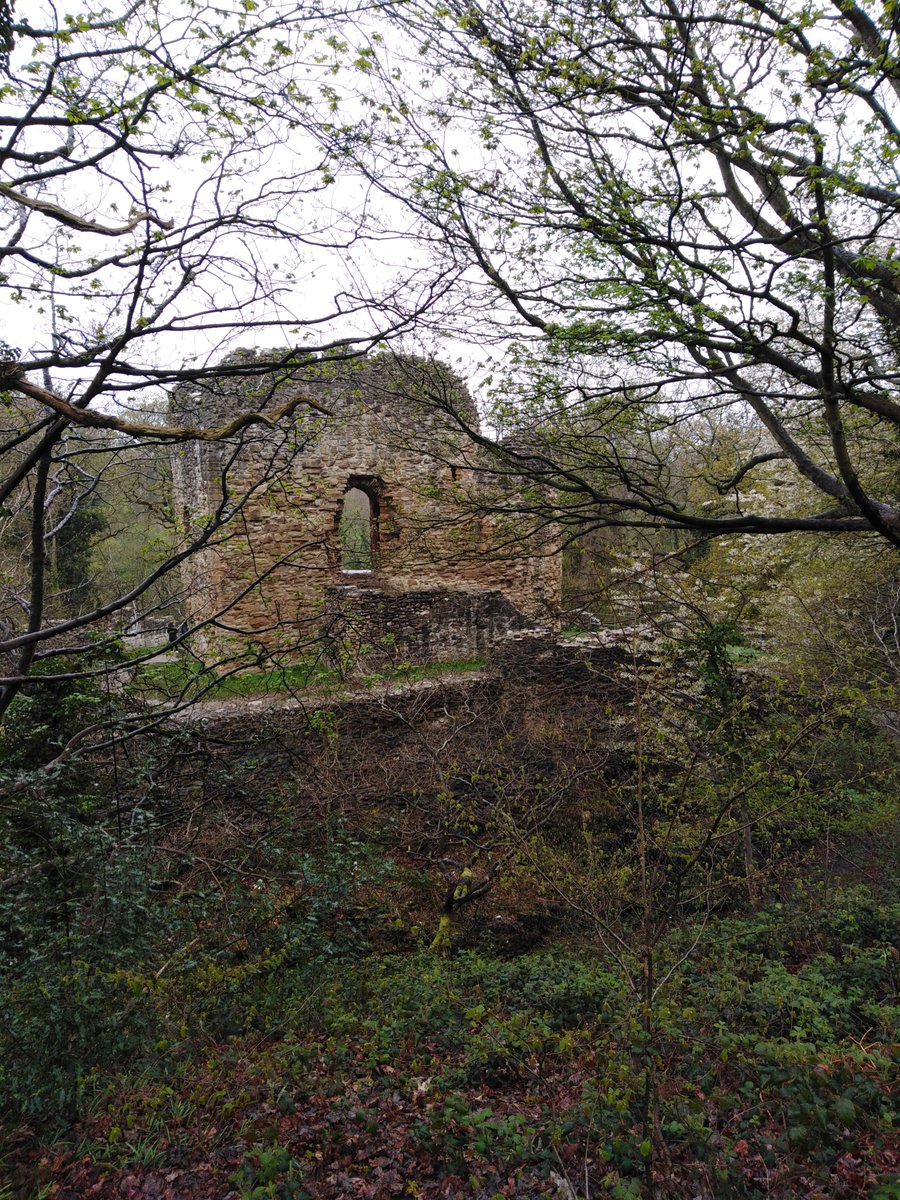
column 673, row 967
column 326, row 1063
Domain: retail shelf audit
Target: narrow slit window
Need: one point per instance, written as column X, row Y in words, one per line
column 355, row 531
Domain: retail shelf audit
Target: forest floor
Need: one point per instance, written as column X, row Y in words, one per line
column 388, row 1074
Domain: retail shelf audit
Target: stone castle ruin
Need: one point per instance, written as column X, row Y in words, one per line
column 362, row 518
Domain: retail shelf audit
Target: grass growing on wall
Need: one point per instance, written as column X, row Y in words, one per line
column 168, row 679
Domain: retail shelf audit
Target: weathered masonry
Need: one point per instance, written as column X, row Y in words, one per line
column 368, row 515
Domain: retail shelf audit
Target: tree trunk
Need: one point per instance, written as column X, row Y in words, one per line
column 443, row 943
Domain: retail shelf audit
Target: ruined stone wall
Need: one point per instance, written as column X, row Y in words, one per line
column 273, row 570
column 539, row 700
column 377, row 629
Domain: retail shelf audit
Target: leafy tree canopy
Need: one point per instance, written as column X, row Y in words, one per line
column 673, row 216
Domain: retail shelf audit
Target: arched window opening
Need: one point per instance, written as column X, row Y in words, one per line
column 355, row 531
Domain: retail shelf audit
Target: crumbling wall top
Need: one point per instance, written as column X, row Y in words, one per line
column 387, row 385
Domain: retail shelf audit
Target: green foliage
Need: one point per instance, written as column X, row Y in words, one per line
column 355, row 531
column 103, row 961
column 773, row 1059
column 493, row 1019
column 160, row 986
column 642, row 286
column 270, row 1171
column 44, row 716
column 455, row 1128
column 74, row 554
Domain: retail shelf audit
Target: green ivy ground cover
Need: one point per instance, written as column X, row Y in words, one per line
column 323, row 1068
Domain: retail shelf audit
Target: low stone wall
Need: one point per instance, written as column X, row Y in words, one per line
column 373, row 627
column 538, row 696
column 369, row 747
column 590, row 665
